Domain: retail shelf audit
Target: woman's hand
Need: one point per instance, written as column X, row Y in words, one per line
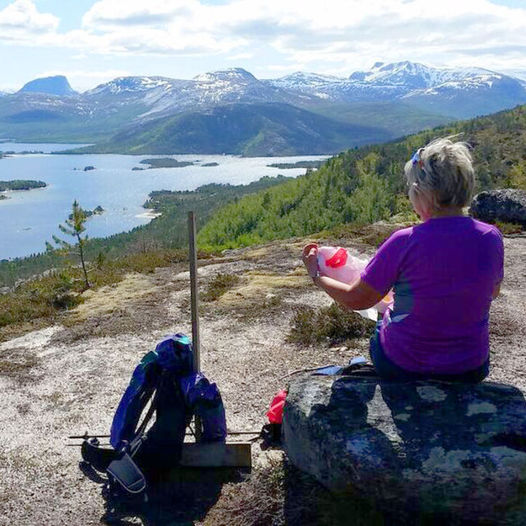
column 310, row 259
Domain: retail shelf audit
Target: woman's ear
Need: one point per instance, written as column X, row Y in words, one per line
column 420, row 202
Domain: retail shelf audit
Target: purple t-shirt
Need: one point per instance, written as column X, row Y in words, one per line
column 443, row 272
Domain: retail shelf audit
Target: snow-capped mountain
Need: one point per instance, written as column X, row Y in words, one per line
column 162, row 96
column 307, row 83
column 123, row 85
column 233, row 85
column 404, row 80
column 443, row 89
column 411, row 75
column 428, row 94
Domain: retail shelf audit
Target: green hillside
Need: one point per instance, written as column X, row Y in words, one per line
column 33, row 118
column 246, row 129
column 394, row 117
column 367, row 184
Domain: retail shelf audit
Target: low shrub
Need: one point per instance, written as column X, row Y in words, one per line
column 218, row 285
column 39, row 298
column 332, row 325
column 60, row 290
column 509, row 228
column 373, row 235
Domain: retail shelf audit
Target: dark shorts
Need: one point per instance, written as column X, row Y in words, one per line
column 390, row 371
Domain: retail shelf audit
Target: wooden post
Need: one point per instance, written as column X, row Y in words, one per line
column 194, row 300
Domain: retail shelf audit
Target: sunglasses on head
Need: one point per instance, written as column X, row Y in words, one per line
column 417, row 160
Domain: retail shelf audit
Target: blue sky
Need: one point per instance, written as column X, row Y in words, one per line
column 93, row 41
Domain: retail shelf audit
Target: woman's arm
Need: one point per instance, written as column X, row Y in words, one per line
column 496, row 291
column 357, row 296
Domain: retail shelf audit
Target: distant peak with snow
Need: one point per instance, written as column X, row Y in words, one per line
column 130, row 85
column 229, row 75
column 414, row 75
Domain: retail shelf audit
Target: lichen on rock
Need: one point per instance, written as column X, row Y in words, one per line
column 431, row 448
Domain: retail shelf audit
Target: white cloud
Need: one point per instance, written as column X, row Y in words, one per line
column 241, row 56
column 109, row 13
column 331, row 36
column 182, row 27
column 20, row 21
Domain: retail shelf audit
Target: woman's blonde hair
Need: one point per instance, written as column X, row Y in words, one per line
column 443, row 172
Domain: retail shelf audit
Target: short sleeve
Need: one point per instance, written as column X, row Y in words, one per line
column 382, row 271
column 499, row 260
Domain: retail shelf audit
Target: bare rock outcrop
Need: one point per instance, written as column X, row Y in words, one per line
column 426, row 448
column 506, row 205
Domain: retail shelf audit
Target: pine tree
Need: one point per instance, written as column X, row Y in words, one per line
column 73, row 226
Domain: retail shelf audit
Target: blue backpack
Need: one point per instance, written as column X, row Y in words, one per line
column 165, row 378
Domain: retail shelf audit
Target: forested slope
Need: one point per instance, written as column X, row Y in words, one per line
column 367, row 184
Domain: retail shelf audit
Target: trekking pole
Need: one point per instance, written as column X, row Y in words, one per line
column 194, row 301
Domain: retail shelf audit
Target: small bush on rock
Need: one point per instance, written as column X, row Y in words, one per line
column 332, row 324
column 509, row 228
column 218, row 285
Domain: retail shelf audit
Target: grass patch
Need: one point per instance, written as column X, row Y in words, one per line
column 46, row 297
column 332, row 325
column 111, row 298
column 218, row 285
column 266, row 308
column 257, row 502
column 43, row 297
column 509, row 228
column 261, row 295
column 16, row 363
column 280, row 494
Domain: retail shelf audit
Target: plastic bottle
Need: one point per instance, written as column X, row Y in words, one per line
column 337, row 263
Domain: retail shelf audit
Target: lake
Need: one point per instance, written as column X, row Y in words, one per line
column 29, row 218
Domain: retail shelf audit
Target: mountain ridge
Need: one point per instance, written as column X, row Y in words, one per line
column 54, row 85
column 432, row 95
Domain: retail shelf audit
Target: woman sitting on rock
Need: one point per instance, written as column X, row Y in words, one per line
column 444, row 273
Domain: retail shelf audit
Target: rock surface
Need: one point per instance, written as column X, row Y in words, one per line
column 422, row 447
column 502, row 205
column 66, row 379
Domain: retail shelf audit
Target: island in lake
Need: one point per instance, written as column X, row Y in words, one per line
column 299, row 164
column 85, row 169
column 21, row 184
column 97, row 211
column 23, row 152
column 165, row 162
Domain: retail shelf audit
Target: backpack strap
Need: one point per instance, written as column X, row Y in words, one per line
column 124, row 471
column 150, row 412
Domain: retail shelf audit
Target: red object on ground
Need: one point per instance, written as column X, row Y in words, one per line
column 275, row 413
column 338, row 260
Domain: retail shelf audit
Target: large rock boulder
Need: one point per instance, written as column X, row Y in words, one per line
column 500, row 205
column 430, row 448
